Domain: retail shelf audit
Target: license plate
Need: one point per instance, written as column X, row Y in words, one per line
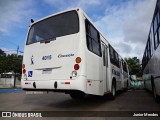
column 47, row 71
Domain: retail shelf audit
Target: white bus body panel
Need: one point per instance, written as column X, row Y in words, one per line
column 58, row 64
column 153, row 69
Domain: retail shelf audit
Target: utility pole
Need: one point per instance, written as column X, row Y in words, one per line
column 15, row 71
column 17, row 50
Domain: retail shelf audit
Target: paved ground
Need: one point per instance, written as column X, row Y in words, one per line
column 138, row 100
column 10, row 90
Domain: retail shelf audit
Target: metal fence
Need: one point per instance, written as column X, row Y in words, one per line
column 137, row 84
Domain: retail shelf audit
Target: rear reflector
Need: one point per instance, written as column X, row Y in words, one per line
column 26, row 82
column 67, row 82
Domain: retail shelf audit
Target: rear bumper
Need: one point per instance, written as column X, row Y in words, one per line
column 53, row 90
column 55, row 85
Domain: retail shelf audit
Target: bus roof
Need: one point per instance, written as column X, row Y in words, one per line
column 53, row 15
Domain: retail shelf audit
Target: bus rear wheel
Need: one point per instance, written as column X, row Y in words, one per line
column 156, row 97
column 113, row 91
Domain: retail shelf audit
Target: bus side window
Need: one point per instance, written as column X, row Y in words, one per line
column 111, row 54
column 93, row 39
column 125, row 66
column 114, row 56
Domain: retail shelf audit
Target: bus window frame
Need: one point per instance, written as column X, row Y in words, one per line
column 53, row 38
column 87, row 22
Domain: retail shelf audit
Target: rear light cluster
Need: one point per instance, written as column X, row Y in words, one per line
column 24, row 72
column 76, row 67
column 23, row 69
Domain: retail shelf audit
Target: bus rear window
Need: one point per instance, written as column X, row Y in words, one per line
column 56, row 26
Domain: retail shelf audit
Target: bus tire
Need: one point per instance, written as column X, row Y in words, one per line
column 113, row 91
column 77, row 95
column 126, row 88
column 144, row 84
column 145, row 88
column 127, row 84
column 156, row 97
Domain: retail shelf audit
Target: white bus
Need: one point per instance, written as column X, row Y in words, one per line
column 66, row 53
column 151, row 57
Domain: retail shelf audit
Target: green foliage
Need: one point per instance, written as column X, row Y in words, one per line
column 10, row 63
column 2, row 53
column 134, row 65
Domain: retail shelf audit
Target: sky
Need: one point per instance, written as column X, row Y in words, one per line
column 124, row 23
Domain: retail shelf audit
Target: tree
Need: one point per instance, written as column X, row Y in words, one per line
column 10, row 63
column 2, row 53
column 134, row 65
column 2, row 61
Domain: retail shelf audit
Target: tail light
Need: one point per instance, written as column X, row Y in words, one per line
column 74, row 73
column 78, row 60
column 23, row 66
column 24, row 71
column 76, row 66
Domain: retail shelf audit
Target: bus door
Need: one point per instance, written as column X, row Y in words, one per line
column 105, row 65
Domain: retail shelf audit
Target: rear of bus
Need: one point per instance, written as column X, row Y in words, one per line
column 53, row 54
